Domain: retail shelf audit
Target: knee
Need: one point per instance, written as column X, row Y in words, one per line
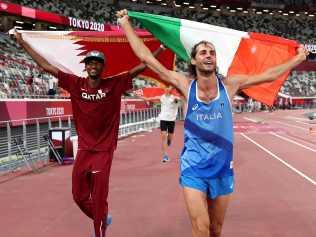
column 164, row 134
column 78, row 197
column 216, row 228
column 201, row 225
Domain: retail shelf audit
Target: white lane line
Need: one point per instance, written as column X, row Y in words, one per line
column 305, row 123
column 297, row 118
column 251, row 120
column 279, row 159
column 292, row 141
column 291, row 125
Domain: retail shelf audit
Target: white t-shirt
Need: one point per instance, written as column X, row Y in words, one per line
column 169, row 108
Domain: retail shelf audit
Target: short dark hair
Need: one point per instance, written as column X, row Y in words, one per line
column 191, row 67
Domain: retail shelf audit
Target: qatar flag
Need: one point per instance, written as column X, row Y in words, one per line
column 66, row 50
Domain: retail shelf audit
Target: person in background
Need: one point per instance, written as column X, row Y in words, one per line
column 168, row 115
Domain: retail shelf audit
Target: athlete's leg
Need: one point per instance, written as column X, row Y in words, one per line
column 196, row 203
column 164, row 138
column 169, row 139
column 100, row 188
column 217, row 210
column 81, row 183
column 170, row 132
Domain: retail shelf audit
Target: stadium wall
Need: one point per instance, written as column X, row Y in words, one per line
column 16, row 110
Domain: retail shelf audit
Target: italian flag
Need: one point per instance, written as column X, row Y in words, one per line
column 237, row 52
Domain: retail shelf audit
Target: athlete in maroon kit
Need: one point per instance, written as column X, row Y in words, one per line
column 96, row 108
column 96, row 112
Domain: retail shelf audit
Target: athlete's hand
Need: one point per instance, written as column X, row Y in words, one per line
column 17, row 35
column 302, row 53
column 122, row 16
column 162, row 47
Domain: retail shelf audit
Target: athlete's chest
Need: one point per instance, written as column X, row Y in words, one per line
column 93, row 95
column 167, row 100
column 102, row 93
column 207, row 96
column 215, row 110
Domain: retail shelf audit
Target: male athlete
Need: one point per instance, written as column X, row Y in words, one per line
column 206, row 173
column 96, row 108
column 167, row 117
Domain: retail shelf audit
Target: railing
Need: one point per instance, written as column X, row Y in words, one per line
column 137, row 121
column 33, row 131
column 18, row 96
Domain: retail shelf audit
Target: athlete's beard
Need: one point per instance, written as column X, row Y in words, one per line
column 206, row 73
column 94, row 77
column 94, row 74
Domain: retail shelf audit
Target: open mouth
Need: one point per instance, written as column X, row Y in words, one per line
column 93, row 71
column 208, row 63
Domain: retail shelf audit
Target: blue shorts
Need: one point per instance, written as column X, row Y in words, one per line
column 212, row 187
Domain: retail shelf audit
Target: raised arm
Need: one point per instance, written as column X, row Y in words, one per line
column 141, row 67
column 271, row 74
column 143, row 53
column 43, row 63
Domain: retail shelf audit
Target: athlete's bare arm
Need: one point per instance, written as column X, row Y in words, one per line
column 237, row 82
column 43, row 63
column 143, row 53
column 141, row 67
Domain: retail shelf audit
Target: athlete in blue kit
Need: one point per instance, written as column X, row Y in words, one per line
column 206, row 174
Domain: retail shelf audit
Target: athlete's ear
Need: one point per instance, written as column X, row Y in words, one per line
column 193, row 61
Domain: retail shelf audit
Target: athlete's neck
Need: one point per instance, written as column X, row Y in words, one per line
column 206, row 83
column 94, row 82
column 207, row 88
